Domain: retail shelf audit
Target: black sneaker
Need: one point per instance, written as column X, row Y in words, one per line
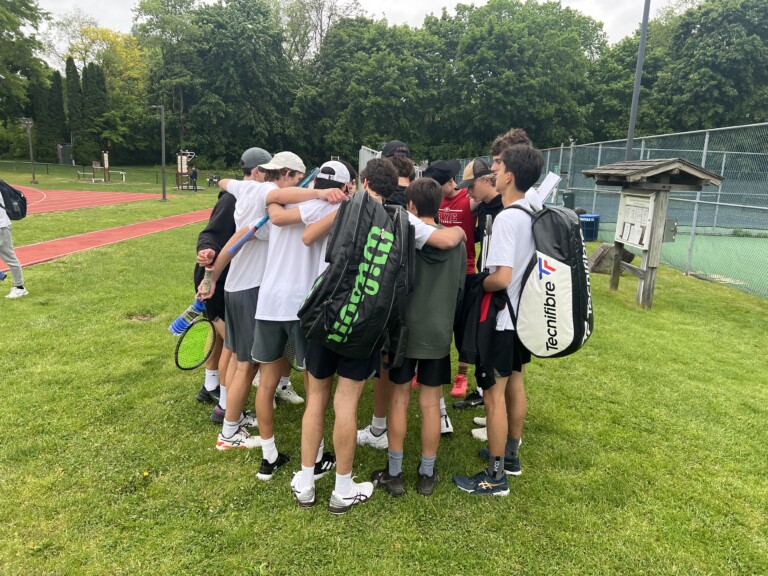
column 473, row 400
column 217, row 416
column 325, row 465
column 395, row 485
column 482, row 484
column 427, row 484
column 511, row 465
column 208, row 396
column 267, row 470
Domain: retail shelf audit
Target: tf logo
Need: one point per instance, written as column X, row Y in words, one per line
column 545, row 268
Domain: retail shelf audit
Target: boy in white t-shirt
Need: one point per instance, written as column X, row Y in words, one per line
column 511, row 249
column 243, row 286
column 280, row 298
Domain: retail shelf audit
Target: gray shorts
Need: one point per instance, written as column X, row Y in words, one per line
column 240, row 310
column 270, row 338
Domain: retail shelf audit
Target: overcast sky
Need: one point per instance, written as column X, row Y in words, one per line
column 620, row 17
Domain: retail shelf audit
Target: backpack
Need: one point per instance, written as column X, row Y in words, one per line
column 357, row 306
column 555, row 316
column 14, row 201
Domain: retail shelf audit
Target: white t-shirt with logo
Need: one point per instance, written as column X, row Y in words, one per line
column 511, row 245
column 246, row 270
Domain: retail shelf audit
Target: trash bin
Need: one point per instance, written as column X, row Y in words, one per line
column 569, row 200
column 590, row 224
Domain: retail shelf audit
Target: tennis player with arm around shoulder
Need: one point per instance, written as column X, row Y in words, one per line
column 281, row 295
column 243, row 287
column 398, row 154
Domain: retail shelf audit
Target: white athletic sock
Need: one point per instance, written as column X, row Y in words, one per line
column 268, row 449
column 343, row 484
column 228, row 429
column 307, row 478
column 380, row 423
column 211, row 379
column 320, row 451
column 285, row 381
column 223, row 398
column 443, row 411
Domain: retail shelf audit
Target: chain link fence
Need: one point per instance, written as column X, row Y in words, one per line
column 722, row 231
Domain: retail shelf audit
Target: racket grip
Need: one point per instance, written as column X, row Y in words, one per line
column 207, row 279
column 181, row 323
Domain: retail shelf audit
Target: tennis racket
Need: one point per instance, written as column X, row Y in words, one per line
column 308, row 178
column 195, row 344
column 488, row 225
column 235, row 248
column 290, row 354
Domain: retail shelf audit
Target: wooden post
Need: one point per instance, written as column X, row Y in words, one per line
column 618, row 249
column 651, row 263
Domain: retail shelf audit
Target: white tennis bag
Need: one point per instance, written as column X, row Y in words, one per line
column 555, row 316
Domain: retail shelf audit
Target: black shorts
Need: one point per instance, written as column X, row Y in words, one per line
column 323, row 363
column 432, row 372
column 469, row 280
column 508, row 355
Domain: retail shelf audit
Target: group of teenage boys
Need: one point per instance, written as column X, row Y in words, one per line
column 257, row 315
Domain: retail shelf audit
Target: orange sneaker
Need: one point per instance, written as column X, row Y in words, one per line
column 460, row 384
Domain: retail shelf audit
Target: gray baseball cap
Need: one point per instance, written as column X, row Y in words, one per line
column 253, row 157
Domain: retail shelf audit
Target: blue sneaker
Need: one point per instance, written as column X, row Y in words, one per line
column 511, row 465
column 482, row 484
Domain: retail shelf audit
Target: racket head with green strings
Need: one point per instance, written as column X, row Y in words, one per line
column 289, row 353
column 195, row 344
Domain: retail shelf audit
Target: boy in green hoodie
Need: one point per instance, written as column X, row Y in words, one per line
column 431, row 308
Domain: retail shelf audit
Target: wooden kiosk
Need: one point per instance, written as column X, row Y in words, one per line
column 642, row 220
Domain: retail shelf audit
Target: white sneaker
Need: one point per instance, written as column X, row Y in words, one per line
column 304, row 498
column 367, row 438
column 446, row 427
column 479, row 421
column 480, row 434
column 288, row 394
column 360, row 493
column 248, row 420
column 17, row 292
column 240, row 439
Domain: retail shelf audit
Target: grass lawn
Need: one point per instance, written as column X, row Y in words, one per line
column 644, row 453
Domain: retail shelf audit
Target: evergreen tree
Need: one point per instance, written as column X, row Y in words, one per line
column 74, row 109
column 56, row 104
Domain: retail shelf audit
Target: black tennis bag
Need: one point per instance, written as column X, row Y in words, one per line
column 14, row 201
column 555, row 316
column 357, row 305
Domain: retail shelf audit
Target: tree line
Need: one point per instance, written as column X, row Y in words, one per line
column 321, row 78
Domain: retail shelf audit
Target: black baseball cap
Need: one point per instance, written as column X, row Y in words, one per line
column 395, row 148
column 442, row 170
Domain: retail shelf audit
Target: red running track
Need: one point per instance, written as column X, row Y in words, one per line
column 41, row 201
column 45, row 251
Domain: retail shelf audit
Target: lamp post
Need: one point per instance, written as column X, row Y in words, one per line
column 161, row 107
column 27, row 123
column 638, row 78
